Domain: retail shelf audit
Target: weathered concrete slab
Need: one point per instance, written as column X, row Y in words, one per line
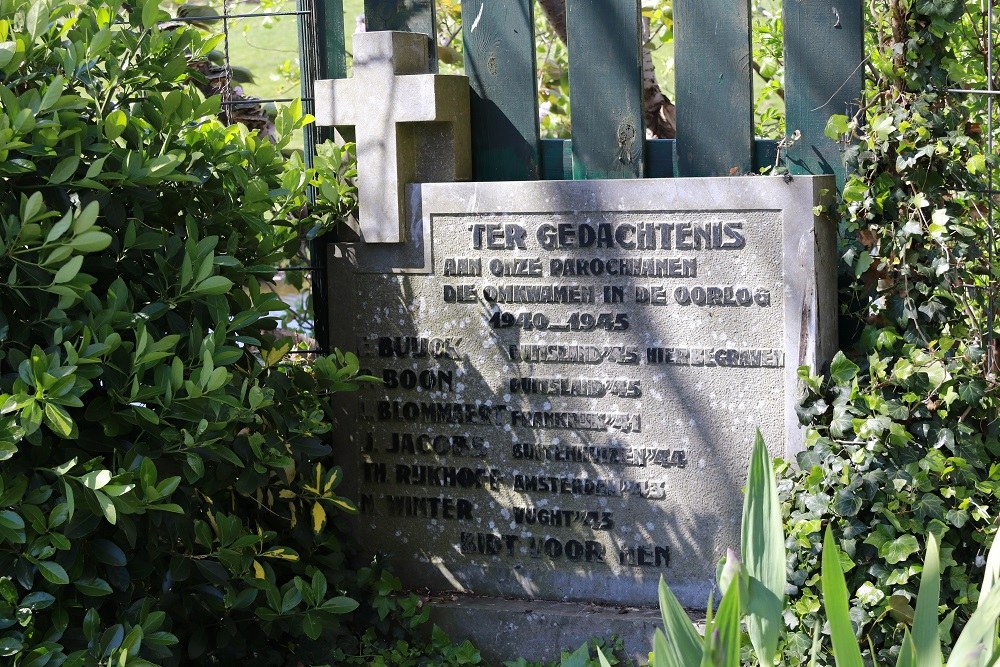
column 573, row 375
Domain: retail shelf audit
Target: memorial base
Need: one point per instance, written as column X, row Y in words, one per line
column 537, row 630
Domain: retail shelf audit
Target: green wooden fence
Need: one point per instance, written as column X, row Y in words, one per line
column 823, row 76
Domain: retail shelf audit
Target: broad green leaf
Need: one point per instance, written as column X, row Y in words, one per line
column 150, row 13
column 107, row 507
column 11, row 520
column 685, row 647
column 53, row 92
column 66, row 168
column 979, row 632
column 92, row 241
column 312, row 625
column 763, row 543
column 68, row 270
column 36, row 19
column 214, row 285
column 38, row 600
column 846, row 651
column 842, row 369
column 107, row 552
column 7, row 52
column 58, row 420
column 93, row 586
column 95, row 480
column 86, row 218
column 907, row 653
column 114, row 124
column 31, row 206
column 58, row 230
column 9, row 645
column 925, row 620
column 726, row 630
column 53, row 572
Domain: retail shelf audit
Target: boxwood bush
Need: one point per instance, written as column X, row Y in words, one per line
column 164, row 496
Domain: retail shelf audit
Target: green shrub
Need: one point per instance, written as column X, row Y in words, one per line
column 904, row 438
column 156, row 436
column 747, row 592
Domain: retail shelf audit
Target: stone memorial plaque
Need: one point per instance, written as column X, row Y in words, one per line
column 572, row 376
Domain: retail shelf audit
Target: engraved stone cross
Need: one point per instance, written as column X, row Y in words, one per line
column 410, row 126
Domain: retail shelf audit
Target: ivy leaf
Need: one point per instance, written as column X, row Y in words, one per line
column 842, row 369
column 855, row 190
column 842, row 422
column 976, row 164
column 863, row 262
column 847, row 503
column 836, row 127
column 899, row 549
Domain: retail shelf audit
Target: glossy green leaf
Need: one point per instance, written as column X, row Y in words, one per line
column 685, row 646
column 115, row 124
column 68, row 271
column 925, row 620
column 842, row 369
column 980, row 631
column 763, row 542
column 907, row 652
column 53, row 572
column 11, row 520
column 846, row 651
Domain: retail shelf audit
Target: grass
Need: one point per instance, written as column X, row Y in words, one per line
column 268, row 47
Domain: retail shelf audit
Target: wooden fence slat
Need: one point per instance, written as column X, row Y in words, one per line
column 713, row 87
column 821, row 82
column 605, row 83
column 500, row 63
column 405, row 16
